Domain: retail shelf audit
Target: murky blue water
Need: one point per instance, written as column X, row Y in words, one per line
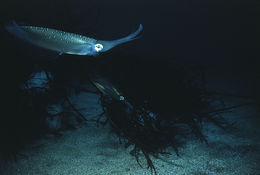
column 53, row 100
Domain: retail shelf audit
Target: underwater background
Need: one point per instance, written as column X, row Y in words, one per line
column 181, row 99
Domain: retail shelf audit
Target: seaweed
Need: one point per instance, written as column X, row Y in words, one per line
column 154, row 112
column 150, row 104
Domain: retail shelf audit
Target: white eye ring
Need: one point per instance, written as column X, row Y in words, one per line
column 98, row 47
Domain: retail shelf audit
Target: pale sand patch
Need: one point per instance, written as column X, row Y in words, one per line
column 92, row 150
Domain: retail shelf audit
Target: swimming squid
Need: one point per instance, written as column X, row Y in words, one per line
column 65, row 42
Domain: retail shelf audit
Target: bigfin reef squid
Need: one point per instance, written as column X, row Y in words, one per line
column 65, row 42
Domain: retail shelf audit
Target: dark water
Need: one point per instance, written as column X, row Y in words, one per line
column 223, row 34
column 220, row 38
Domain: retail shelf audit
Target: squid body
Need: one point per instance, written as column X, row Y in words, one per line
column 65, row 42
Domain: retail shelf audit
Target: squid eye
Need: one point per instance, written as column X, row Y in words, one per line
column 98, row 47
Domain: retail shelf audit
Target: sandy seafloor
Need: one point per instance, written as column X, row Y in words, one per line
column 92, row 150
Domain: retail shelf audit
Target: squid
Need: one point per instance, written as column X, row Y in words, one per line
column 65, row 42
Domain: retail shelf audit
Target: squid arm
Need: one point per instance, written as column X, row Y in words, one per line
column 65, row 42
column 110, row 44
